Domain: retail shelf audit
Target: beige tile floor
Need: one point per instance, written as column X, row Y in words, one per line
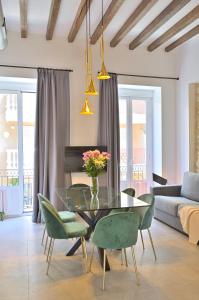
column 175, row 275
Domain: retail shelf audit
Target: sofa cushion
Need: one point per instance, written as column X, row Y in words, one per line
column 170, row 204
column 190, row 186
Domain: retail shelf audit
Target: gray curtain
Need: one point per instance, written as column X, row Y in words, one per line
column 52, row 133
column 108, row 128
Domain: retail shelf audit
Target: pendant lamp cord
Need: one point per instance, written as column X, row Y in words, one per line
column 102, row 35
column 102, row 22
column 86, row 54
column 89, row 43
column 89, row 16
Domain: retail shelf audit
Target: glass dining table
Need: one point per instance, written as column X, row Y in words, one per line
column 92, row 208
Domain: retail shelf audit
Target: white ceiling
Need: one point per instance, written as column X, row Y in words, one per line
column 38, row 12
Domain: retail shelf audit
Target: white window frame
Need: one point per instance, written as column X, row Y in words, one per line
column 17, row 86
column 146, row 95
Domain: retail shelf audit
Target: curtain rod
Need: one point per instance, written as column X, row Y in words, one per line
column 146, row 76
column 33, row 68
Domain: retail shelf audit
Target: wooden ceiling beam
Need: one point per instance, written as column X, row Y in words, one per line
column 162, row 18
column 134, row 18
column 80, row 15
column 108, row 16
column 24, row 18
column 187, row 36
column 184, row 22
column 52, row 20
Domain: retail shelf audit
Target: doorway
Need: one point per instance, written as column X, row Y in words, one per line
column 137, row 111
column 17, row 120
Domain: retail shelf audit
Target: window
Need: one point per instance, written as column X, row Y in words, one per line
column 136, row 110
column 17, row 118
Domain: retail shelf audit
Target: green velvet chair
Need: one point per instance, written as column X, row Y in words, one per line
column 56, row 229
column 146, row 214
column 128, row 191
column 116, row 231
column 65, row 216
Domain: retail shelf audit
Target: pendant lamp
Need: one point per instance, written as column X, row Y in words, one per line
column 86, row 110
column 103, row 74
column 91, row 90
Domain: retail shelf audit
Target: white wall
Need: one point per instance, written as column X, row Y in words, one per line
column 188, row 69
column 36, row 51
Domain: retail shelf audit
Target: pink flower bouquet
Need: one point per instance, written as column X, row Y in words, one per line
column 95, row 162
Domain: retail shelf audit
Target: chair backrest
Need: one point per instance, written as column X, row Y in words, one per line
column 117, row 231
column 43, row 198
column 54, row 224
column 130, row 192
column 149, row 211
column 78, row 193
column 78, row 185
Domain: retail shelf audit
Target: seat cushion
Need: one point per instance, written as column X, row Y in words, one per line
column 67, row 216
column 170, row 204
column 190, row 186
column 75, row 229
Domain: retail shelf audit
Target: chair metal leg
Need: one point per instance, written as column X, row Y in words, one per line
column 82, row 247
column 50, row 256
column 135, row 266
column 91, row 259
column 49, row 247
column 125, row 257
column 104, row 270
column 46, row 244
column 42, row 241
column 151, row 240
column 84, row 252
column 121, row 258
column 142, row 239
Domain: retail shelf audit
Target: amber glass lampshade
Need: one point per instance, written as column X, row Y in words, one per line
column 86, row 110
column 91, row 90
column 103, row 74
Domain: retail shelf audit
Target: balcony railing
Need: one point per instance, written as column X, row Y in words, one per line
column 138, row 178
column 138, row 172
column 10, row 178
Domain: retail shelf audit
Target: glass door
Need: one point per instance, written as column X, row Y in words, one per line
column 11, row 178
column 17, row 117
column 135, row 143
column 28, row 116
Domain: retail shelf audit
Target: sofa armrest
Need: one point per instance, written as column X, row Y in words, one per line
column 167, row 190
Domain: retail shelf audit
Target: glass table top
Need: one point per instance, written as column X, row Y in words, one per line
column 80, row 199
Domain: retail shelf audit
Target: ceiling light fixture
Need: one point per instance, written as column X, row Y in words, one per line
column 86, row 110
column 90, row 91
column 103, row 74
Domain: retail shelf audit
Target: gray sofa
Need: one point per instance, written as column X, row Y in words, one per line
column 170, row 198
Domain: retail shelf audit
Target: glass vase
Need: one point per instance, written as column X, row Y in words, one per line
column 94, row 186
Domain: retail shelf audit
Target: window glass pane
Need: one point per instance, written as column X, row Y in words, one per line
column 29, row 108
column 139, row 145
column 9, row 140
column 123, row 142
